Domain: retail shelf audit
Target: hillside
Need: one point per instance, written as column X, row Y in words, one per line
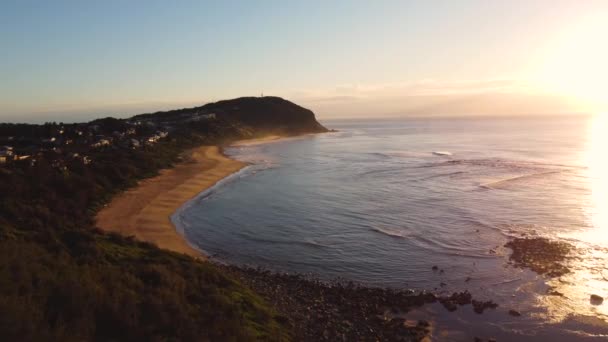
column 62, row 279
column 264, row 114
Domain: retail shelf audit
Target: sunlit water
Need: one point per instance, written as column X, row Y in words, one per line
column 382, row 201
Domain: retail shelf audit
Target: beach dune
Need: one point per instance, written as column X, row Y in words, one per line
column 145, row 210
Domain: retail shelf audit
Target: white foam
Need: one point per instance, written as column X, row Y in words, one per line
column 390, row 232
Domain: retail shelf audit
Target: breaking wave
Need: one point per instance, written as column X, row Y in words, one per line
column 390, row 232
column 505, row 182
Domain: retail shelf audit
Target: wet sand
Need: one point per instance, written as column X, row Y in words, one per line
column 251, row 142
column 145, row 211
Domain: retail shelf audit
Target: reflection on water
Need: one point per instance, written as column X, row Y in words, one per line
column 589, row 264
column 372, row 203
column 597, row 159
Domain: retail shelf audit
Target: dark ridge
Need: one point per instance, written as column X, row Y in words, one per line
column 267, row 114
column 61, row 279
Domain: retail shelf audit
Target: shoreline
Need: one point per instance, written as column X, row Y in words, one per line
column 145, row 211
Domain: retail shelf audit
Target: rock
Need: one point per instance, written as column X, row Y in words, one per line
column 435, row 268
column 423, row 323
column 553, row 292
column 541, row 255
column 596, row 300
column 479, row 306
column 514, row 313
column 450, row 306
column 346, row 311
column 459, row 298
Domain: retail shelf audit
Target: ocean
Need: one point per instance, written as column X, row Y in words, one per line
column 382, row 201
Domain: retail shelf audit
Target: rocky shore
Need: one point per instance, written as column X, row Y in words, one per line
column 541, row 255
column 345, row 311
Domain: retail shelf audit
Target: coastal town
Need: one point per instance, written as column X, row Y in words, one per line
column 62, row 144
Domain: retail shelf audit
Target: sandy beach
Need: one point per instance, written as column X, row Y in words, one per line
column 144, row 211
column 257, row 141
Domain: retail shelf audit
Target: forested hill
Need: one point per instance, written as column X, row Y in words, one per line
column 61, row 279
column 268, row 114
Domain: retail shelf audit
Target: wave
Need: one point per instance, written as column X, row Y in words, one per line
column 306, row 243
column 374, row 172
column 407, row 154
column 503, row 164
column 491, row 163
column 176, row 218
column 437, row 246
column 505, row 182
column 449, row 174
column 181, row 226
column 379, row 154
column 471, row 255
column 390, row 232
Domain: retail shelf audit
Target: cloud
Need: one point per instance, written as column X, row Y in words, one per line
column 422, row 98
column 81, row 113
column 433, row 97
column 420, row 88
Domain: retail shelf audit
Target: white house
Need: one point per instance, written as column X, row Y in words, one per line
column 6, row 153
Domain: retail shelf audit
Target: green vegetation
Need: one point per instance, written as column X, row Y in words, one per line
column 62, row 279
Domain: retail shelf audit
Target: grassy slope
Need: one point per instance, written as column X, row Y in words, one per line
column 61, row 279
column 130, row 291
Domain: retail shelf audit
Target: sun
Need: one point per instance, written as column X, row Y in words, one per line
column 576, row 64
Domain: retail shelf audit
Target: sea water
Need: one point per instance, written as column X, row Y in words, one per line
column 382, row 201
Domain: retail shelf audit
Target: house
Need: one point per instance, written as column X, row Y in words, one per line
column 49, row 140
column 152, row 140
column 6, row 150
column 59, row 164
column 101, row 142
column 6, row 154
column 199, row 116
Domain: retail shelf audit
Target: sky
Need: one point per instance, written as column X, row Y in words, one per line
column 77, row 60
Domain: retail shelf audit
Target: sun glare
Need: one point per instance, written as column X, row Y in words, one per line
column 576, row 66
column 598, row 175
